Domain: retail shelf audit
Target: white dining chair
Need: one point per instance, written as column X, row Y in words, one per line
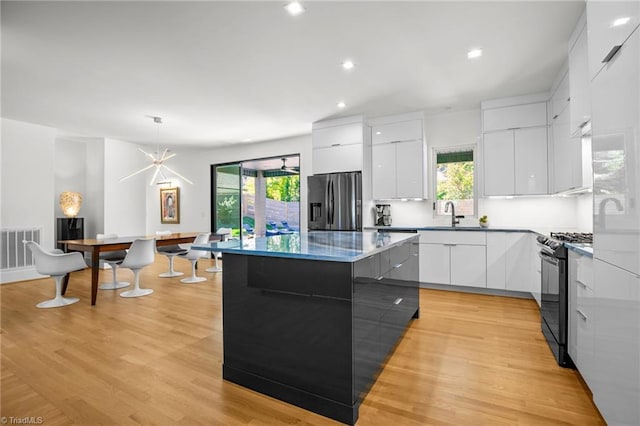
column 193, row 256
column 56, row 265
column 141, row 253
column 222, row 234
column 112, row 258
column 171, row 252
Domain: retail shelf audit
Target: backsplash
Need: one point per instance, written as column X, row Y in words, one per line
column 543, row 214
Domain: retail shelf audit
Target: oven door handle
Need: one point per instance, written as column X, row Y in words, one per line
column 547, row 258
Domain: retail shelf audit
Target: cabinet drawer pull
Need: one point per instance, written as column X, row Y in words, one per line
column 581, row 284
column 450, row 245
column 611, row 53
column 380, row 278
column 397, row 301
column 584, row 123
column 371, row 257
column 555, row 116
column 399, row 265
column 584, row 317
column 335, row 144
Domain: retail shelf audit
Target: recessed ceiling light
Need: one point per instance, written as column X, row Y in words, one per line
column 347, row 65
column 341, row 104
column 378, row 133
column 474, row 53
column 620, row 21
column 294, row 8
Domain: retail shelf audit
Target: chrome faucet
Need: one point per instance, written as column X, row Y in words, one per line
column 454, row 218
column 602, row 208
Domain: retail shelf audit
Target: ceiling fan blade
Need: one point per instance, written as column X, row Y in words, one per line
column 176, row 173
column 135, row 173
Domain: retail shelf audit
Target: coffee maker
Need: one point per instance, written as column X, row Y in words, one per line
column 383, row 215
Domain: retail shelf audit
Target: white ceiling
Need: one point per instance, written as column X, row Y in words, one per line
column 224, row 72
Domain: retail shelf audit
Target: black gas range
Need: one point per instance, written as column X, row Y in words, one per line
column 555, row 290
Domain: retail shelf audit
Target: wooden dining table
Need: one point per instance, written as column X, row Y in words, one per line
column 95, row 247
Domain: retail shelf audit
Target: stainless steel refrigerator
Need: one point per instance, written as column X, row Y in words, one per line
column 335, row 202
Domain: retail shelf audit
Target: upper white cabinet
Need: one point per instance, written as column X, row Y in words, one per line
column 338, row 145
column 579, row 81
column 609, row 24
column 398, row 157
column 407, row 130
column 561, row 97
column 515, row 162
column 516, row 116
column 515, row 158
column 616, row 157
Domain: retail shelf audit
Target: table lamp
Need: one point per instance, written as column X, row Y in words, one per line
column 70, row 203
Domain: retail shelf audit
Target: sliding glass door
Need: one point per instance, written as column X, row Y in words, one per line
column 226, row 182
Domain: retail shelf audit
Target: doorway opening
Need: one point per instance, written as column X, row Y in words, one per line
column 257, row 198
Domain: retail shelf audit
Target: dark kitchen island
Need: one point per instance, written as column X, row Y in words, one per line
column 310, row 318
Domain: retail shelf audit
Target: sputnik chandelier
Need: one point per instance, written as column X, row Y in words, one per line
column 157, row 161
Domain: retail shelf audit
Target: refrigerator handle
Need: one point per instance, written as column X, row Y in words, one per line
column 331, row 204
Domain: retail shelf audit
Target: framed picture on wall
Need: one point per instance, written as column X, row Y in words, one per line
column 170, row 205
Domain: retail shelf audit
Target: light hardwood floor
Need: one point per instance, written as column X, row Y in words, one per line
column 469, row 360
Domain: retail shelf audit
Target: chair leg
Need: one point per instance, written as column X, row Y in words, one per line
column 137, row 291
column 114, row 284
column 172, row 272
column 215, row 268
column 59, row 300
column 193, row 279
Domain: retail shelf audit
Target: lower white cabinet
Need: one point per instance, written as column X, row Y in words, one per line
column 508, row 261
column 615, row 380
column 581, row 317
column 453, row 257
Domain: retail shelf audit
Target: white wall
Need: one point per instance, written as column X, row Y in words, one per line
column 93, row 205
column 194, row 164
column 125, row 210
column 69, row 171
column 27, row 183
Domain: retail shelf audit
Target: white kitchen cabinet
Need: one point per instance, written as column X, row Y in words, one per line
column 398, row 170
column 515, row 162
column 580, row 314
column 580, row 105
column 408, row 130
column 509, row 261
column 384, row 171
column 468, row 265
column 499, row 164
column 343, row 158
column 516, row 116
column 536, row 269
column 453, row 257
column 616, row 369
column 616, row 157
column 603, row 34
column 531, row 161
column 338, row 145
column 560, row 99
column 435, row 264
column 567, row 155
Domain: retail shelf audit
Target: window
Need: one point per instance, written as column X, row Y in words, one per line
column 455, row 181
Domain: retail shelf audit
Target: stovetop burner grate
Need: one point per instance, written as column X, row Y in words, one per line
column 573, row 237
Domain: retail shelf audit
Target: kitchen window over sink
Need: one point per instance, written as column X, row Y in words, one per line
column 455, row 180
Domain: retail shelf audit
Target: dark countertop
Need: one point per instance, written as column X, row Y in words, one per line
column 583, row 249
column 334, row 246
column 446, row 228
